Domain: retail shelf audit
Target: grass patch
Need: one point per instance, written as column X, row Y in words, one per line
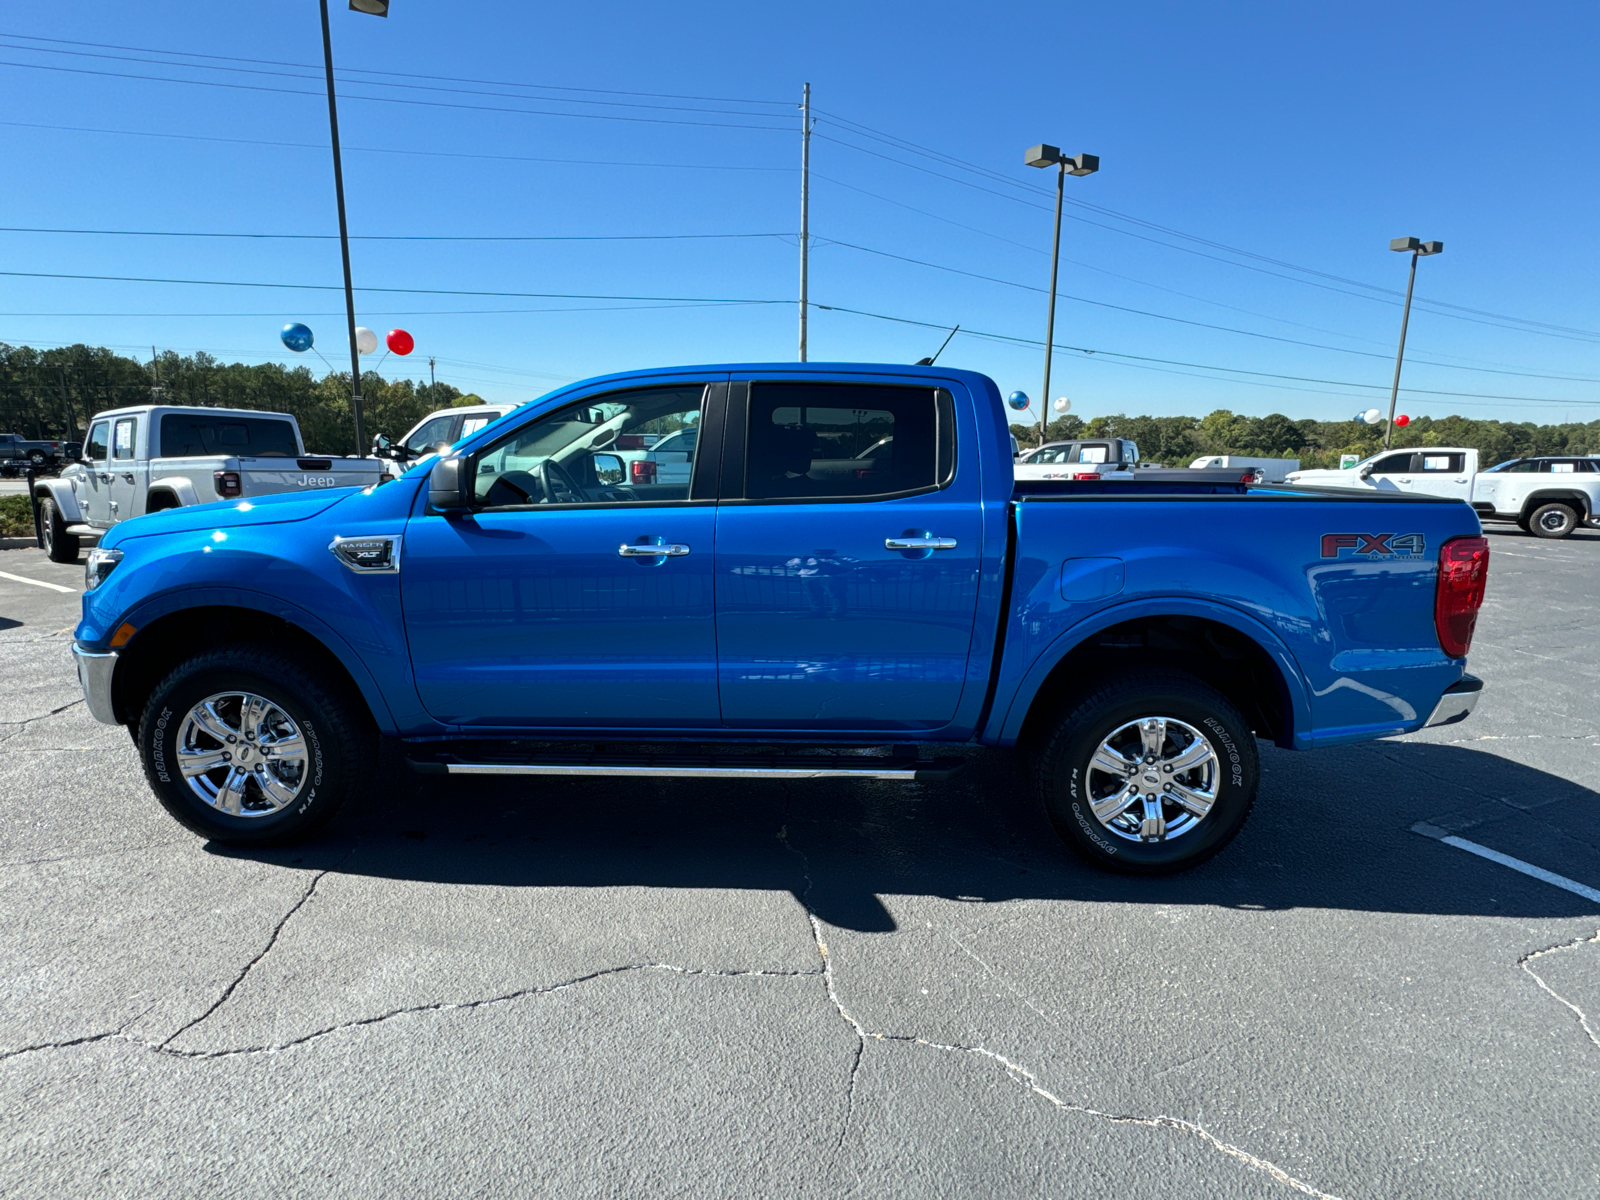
column 16, row 516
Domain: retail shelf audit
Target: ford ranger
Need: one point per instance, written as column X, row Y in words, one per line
column 521, row 606
column 154, row 457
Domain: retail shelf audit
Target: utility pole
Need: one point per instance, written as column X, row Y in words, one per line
column 65, row 403
column 433, row 384
column 344, row 238
column 805, row 211
column 1078, row 164
column 155, row 365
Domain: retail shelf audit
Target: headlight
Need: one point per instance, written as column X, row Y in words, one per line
column 99, row 566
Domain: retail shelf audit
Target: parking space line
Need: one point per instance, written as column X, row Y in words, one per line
column 1505, row 860
column 55, row 587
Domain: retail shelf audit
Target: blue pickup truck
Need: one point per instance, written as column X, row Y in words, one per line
column 846, row 580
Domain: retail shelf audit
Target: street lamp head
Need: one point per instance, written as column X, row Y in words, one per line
column 1431, row 248
column 376, row 8
column 1405, row 245
column 1038, row 156
column 1083, row 164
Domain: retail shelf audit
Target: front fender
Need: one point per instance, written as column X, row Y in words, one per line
column 1008, row 714
column 60, row 490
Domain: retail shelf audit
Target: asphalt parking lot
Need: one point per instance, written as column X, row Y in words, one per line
column 641, row 988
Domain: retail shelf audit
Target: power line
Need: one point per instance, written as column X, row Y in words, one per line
column 785, row 104
column 342, row 73
column 526, row 112
column 1197, row 324
column 329, row 287
column 1113, row 354
column 582, row 162
column 398, row 237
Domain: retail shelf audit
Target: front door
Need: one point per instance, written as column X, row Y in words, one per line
column 835, row 609
column 569, row 597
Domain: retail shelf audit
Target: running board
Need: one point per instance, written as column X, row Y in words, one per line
column 724, row 766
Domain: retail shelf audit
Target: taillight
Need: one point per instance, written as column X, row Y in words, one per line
column 226, row 483
column 642, row 471
column 1086, row 475
column 1463, row 571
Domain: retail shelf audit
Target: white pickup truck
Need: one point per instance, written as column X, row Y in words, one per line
column 1548, row 496
column 153, row 457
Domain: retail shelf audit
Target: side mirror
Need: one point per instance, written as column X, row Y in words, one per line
column 450, row 486
column 1364, row 473
column 381, row 443
column 609, row 468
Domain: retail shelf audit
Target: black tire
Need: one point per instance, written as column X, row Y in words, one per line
column 37, row 458
column 338, row 736
column 1553, row 520
column 1524, row 524
column 59, row 545
column 1063, row 779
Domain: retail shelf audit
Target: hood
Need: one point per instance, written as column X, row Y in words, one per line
column 275, row 509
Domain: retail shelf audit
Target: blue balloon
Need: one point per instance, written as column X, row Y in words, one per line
column 1018, row 400
column 297, row 337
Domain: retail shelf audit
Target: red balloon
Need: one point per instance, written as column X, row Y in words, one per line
column 400, row 341
column 1401, row 421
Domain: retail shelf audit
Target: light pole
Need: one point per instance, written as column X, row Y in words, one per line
column 377, row 8
column 1418, row 250
column 1082, row 164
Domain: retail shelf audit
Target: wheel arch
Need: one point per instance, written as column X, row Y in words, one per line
column 1576, row 499
column 1244, row 659
column 175, row 491
column 168, row 634
column 60, row 492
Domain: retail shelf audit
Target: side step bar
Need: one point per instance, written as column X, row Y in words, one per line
column 724, row 766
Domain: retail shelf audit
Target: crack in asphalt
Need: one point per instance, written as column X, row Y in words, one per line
column 17, row 727
column 265, row 950
column 1583, row 1019
column 1016, row 1071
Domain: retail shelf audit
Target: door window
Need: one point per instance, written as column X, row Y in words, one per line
column 592, row 452
column 1525, row 467
column 828, row 441
column 1393, row 464
column 122, row 438
column 430, row 435
column 95, row 449
column 471, row 425
column 1444, row 463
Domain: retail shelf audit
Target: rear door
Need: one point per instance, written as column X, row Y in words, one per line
column 1441, row 473
column 126, row 469
column 846, row 596
column 92, row 486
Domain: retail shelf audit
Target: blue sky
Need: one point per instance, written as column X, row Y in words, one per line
column 1305, row 136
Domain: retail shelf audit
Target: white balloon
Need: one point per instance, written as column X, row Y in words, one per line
column 1372, row 416
column 1063, row 404
column 366, row 340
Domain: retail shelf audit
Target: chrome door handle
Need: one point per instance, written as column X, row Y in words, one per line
column 919, row 543
column 660, row 550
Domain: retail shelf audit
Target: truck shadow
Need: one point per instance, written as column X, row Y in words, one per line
column 1330, row 830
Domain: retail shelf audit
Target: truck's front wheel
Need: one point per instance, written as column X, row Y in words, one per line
column 59, row 545
column 1149, row 774
column 246, row 746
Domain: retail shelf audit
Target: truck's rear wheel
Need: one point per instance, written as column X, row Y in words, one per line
column 246, row 746
column 1149, row 774
column 1553, row 520
column 59, row 545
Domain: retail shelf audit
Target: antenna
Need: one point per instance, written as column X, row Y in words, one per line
column 928, row 362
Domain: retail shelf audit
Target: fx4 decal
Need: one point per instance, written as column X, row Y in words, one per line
column 1381, row 546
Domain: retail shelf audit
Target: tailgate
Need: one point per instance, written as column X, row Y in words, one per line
column 261, row 476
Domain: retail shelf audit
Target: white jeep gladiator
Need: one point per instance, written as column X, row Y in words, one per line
column 152, row 457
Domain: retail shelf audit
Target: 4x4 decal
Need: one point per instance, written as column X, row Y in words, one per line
column 1370, row 546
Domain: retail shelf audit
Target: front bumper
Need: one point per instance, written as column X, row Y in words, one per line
column 95, row 671
column 1458, row 701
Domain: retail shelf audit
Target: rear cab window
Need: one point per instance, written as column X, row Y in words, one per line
column 844, row 441
column 193, row 435
column 1443, row 462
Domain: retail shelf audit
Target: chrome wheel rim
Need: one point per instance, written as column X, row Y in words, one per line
column 241, row 754
column 1553, row 521
column 1153, row 780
